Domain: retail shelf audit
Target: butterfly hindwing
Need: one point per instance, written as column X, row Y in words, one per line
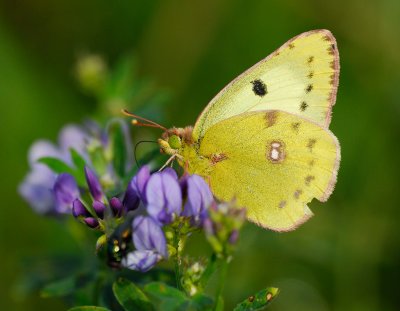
column 301, row 77
column 273, row 163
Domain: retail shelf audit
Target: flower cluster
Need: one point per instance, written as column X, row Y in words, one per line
column 37, row 187
column 222, row 227
column 94, row 216
column 56, row 175
column 138, row 220
column 166, row 201
column 79, row 177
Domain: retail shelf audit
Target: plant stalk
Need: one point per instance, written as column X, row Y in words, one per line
column 221, row 284
column 177, row 260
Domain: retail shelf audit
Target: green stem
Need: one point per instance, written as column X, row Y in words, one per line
column 177, row 260
column 178, row 273
column 221, row 282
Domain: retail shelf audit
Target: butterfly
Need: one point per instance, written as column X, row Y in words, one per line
column 264, row 139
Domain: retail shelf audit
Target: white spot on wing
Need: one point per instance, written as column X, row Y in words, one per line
column 275, row 152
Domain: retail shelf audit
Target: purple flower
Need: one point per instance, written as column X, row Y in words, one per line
column 135, row 191
column 37, row 186
column 65, row 192
column 93, row 184
column 36, row 190
column 171, row 172
column 43, row 148
column 147, row 235
column 73, row 137
column 164, row 197
column 150, row 245
column 141, row 260
column 199, row 198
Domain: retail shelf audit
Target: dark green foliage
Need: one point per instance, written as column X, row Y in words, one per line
column 66, row 286
column 130, row 296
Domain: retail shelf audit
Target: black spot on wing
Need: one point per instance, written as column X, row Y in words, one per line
column 311, row 143
column 259, row 87
column 309, row 88
column 297, row 193
column 296, row 126
column 303, row 106
column 309, row 179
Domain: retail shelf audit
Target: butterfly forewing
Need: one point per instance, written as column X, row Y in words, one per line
column 301, row 77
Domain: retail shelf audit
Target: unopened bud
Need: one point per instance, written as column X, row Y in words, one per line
column 116, row 207
column 91, row 222
column 78, row 209
column 99, row 208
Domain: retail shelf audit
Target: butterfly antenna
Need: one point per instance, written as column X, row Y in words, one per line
column 148, row 123
column 135, row 148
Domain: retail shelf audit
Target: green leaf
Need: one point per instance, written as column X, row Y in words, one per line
column 56, row 165
column 162, row 291
column 130, row 296
column 59, row 167
column 202, row 302
column 88, row 308
column 170, row 298
column 79, row 172
column 65, row 286
column 78, row 160
column 258, row 301
column 220, row 304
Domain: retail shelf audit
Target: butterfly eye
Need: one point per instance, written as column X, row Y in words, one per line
column 174, row 142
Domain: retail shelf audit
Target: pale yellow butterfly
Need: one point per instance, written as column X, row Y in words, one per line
column 264, row 139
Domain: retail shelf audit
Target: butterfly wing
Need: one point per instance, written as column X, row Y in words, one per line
column 273, row 163
column 301, row 77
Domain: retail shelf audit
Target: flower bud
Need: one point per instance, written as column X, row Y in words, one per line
column 234, row 236
column 78, row 209
column 99, row 208
column 222, row 227
column 91, row 222
column 116, row 207
column 93, row 184
column 91, row 72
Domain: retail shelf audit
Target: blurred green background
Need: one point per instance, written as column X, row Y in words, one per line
column 345, row 258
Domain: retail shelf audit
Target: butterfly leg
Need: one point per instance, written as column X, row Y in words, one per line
column 170, row 161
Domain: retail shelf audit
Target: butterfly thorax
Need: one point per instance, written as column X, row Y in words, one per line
column 179, row 142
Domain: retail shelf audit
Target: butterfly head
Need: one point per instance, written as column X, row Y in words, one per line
column 173, row 140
